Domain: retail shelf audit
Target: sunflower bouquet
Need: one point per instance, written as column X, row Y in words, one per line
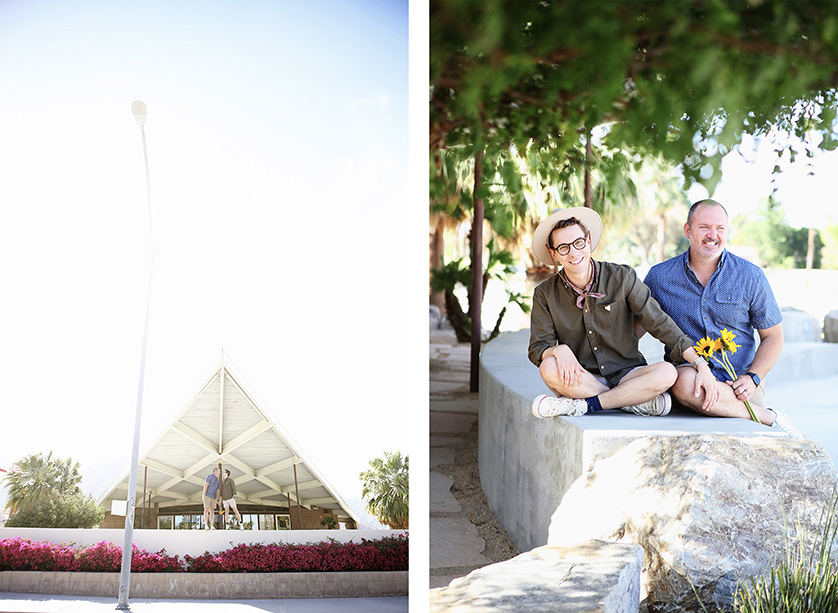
column 723, row 345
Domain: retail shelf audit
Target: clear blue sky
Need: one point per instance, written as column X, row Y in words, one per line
column 277, row 143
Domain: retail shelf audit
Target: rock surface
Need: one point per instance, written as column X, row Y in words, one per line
column 800, row 327
column 594, row 576
column 830, row 327
column 706, row 509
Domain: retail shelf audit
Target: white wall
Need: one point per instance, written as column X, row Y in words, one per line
column 192, row 542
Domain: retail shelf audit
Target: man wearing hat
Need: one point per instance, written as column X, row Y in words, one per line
column 582, row 334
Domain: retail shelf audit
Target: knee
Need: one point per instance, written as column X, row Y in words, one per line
column 549, row 371
column 667, row 374
column 684, row 386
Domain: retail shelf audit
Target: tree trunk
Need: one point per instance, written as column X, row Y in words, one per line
column 436, row 249
column 589, row 157
column 476, row 271
column 810, row 255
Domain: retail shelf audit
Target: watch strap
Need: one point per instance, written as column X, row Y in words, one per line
column 754, row 377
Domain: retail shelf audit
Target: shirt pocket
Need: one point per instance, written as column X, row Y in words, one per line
column 611, row 311
column 731, row 309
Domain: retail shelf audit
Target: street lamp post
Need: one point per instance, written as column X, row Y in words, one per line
column 139, row 110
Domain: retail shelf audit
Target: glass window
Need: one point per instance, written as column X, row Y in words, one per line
column 164, row 523
column 268, row 522
column 283, row 522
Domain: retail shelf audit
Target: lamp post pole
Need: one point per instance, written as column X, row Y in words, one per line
column 139, row 110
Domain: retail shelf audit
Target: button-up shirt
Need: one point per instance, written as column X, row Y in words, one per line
column 602, row 338
column 737, row 297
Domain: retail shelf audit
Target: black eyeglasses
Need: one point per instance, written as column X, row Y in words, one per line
column 578, row 244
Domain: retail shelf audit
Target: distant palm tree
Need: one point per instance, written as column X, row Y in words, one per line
column 36, row 477
column 386, row 490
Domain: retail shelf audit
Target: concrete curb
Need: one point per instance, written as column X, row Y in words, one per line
column 211, row 585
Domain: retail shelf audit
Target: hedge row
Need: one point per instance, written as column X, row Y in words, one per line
column 389, row 554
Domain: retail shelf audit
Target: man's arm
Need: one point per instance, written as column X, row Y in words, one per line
column 767, row 354
column 206, row 484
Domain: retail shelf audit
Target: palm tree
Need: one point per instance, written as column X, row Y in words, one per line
column 36, row 477
column 386, row 490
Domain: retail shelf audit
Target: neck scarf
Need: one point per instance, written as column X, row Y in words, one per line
column 582, row 294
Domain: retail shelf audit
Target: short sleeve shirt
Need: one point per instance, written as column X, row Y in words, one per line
column 212, row 488
column 737, row 297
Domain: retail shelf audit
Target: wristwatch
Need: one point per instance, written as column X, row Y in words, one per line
column 754, row 376
column 699, row 361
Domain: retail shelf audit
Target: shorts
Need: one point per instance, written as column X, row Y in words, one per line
column 614, row 380
column 209, row 503
column 231, row 502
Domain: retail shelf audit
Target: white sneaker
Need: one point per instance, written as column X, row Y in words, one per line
column 782, row 422
column 656, row 407
column 550, row 406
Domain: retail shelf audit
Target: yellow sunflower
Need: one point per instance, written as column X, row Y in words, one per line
column 705, row 347
column 726, row 341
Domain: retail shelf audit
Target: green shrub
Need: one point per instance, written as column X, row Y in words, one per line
column 806, row 581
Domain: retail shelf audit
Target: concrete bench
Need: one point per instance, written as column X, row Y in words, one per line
column 593, row 576
column 527, row 464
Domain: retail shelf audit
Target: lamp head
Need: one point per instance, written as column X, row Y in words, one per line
column 139, row 110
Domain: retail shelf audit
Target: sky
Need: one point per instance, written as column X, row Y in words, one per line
column 277, row 146
column 805, row 187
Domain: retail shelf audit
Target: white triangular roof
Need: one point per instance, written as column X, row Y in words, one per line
column 224, row 423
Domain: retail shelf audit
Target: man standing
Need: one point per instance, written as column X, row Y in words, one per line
column 210, row 495
column 707, row 289
column 582, row 329
column 228, row 497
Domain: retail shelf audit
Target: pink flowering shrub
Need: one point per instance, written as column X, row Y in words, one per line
column 389, row 553
column 23, row 554
column 384, row 554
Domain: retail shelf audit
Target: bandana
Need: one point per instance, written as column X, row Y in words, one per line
column 582, row 295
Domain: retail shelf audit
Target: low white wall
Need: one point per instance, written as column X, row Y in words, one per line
column 192, row 542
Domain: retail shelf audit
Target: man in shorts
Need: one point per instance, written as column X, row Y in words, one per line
column 228, row 497
column 210, row 497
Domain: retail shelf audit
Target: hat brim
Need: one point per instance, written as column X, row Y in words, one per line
column 587, row 216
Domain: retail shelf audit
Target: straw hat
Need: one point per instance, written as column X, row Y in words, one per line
column 587, row 216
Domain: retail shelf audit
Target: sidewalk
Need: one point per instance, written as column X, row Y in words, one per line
column 464, row 535
column 40, row 603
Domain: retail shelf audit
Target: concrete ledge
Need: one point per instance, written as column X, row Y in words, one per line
column 211, row 585
column 593, row 576
column 527, row 464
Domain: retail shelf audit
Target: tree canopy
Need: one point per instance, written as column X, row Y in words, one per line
column 386, row 489
column 44, row 492
column 682, row 79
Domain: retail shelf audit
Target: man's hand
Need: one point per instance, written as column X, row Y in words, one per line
column 743, row 387
column 568, row 366
column 705, row 380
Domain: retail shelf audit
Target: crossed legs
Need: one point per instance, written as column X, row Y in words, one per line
column 640, row 385
column 727, row 405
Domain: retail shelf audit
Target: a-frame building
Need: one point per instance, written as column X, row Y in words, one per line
column 223, row 425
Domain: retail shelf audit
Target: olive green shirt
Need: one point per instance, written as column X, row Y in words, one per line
column 602, row 339
column 228, row 488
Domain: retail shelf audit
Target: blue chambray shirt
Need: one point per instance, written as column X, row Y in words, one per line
column 737, row 297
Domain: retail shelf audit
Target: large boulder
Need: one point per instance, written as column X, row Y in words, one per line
column 708, row 510
column 800, row 326
column 830, row 327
